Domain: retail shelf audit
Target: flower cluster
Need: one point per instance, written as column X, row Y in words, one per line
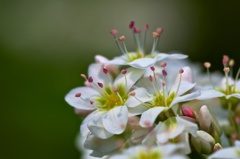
column 142, row 105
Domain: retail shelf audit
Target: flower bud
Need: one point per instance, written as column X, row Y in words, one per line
column 204, row 118
column 187, row 112
column 217, row 147
column 203, row 142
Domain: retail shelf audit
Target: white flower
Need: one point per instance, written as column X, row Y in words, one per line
column 173, row 130
column 156, row 96
column 227, row 88
column 140, row 59
column 107, row 98
column 144, row 152
column 229, row 152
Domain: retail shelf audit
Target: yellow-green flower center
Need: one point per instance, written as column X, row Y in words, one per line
column 164, row 101
column 230, row 89
column 111, row 99
column 133, row 56
column 153, row 154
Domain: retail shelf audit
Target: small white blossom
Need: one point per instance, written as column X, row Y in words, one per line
column 144, row 152
column 155, row 97
column 107, row 98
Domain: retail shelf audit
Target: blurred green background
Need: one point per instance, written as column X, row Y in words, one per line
column 45, row 45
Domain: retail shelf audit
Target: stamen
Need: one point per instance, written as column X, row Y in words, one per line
column 150, row 78
column 163, row 64
column 164, row 72
column 231, row 64
column 90, row 79
column 133, row 95
column 226, row 70
column 78, row 95
column 225, row 60
column 91, row 102
column 152, row 68
column 122, row 39
column 159, row 30
column 156, row 36
column 180, row 79
column 100, row 84
column 208, row 65
column 136, row 37
column 114, row 33
column 83, row 76
column 145, row 35
column 124, row 72
column 131, row 25
column 115, row 90
column 105, row 70
column 163, row 90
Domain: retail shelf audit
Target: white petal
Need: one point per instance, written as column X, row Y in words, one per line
column 83, row 128
column 161, row 56
column 237, row 143
column 238, row 84
column 100, row 59
column 143, row 63
column 209, row 94
column 119, row 157
column 115, row 120
column 237, row 95
column 190, row 127
column 103, row 145
column 118, row 61
column 149, row 116
column 95, row 125
column 96, row 72
column 230, row 152
column 130, row 78
column 177, row 56
column 137, row 110
column 183, row 88
column 77, row 102
column 140, row 94
column 187, row 97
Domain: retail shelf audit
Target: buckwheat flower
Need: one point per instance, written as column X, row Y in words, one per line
column 229, row 152
column 144, row 152
column 106, row 97
column 140, row 59
column 156, row 96
column 173, row 130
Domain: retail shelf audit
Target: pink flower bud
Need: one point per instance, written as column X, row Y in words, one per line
column 187, row 112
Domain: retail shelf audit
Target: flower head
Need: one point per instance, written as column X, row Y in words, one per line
column 156, row 96
column 107, row 98
column 157, row 152
column 140, row 59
